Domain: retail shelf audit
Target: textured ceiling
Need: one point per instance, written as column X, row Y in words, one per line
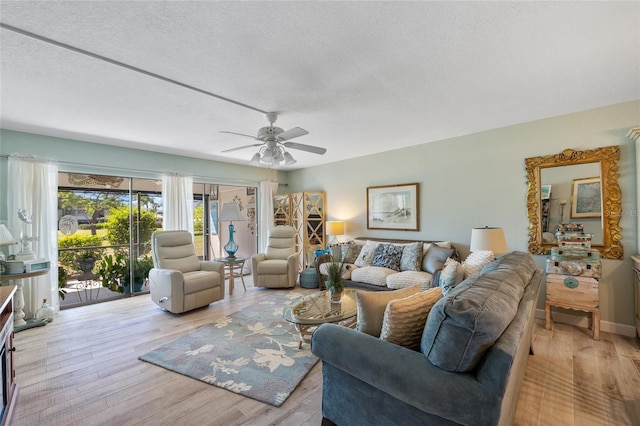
column 361, row 77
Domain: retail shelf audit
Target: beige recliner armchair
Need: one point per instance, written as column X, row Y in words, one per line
column 180, row 282
column 278, row 267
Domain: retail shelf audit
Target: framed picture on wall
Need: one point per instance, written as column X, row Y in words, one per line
column 393, row 207
column 586, row 198
column 251, row 191
column 214, row 193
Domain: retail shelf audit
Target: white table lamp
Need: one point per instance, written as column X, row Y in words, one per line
column 488, row 238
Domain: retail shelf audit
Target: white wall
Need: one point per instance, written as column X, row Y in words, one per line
column 480, row 179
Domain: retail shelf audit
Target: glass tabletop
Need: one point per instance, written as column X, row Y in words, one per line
column 230, row 260
column 317, row 308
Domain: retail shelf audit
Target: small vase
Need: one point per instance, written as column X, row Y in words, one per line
column 45, row 312
column 336, row 295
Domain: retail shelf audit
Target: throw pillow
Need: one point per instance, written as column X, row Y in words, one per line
column 366, row 254
column 371, row 305
column 476, row 261
column 411, row 257
column 387, row 256
column 435, row 257
column 350, row 252
column 452, row 274
column 404, row 319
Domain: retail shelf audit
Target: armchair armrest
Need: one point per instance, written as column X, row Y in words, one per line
column 210, row 265
column 167, row 282
column 408, row 375
column 255, row 259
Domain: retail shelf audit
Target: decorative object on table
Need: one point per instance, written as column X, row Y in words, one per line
column 253, row 352
column 573, row 270
column 586, row 198
column 231, row 212
column 335, row 228
column 393, row 207
column 6, row 239
column 488, row 238
column 45, row 312
column 335, row 282
column 25, row 239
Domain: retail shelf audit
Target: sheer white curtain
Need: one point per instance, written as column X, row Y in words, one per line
column 177, row 202
column 638, row 184
column 32, row 184
column 265, row 221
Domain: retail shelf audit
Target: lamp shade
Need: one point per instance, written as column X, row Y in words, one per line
column 488, row 238
column 5, row 236
column 335, row 227
column 230, row 212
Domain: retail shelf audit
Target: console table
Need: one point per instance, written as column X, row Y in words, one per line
column 7, row 402
column 19, row 322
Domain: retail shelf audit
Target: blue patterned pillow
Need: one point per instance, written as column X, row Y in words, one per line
column 411, row 257
column 387, row 256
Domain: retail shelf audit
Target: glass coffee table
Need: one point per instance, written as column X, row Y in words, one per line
column 313, row 310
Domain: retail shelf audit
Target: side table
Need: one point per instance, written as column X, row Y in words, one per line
column 233, row 263
column 573, row 292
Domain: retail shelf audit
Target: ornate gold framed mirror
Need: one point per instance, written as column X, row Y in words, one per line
column 560, row 176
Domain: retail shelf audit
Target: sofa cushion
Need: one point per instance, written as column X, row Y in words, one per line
column 408, row 279
column 404, row 319
column 452, row 274
column 375, row 275
column 371, row 305
column 467, row 321
column 387, row 256
column 411, row 257
column 366, row 254
column 435, row 257
column 476, row 261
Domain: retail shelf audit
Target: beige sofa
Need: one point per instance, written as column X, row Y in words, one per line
column 419, row 262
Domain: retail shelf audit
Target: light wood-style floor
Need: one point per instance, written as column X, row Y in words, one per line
column 82, row 369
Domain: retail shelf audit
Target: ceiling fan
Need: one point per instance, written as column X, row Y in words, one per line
column 273, row 141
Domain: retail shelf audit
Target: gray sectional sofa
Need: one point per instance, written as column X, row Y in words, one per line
column 471, row 363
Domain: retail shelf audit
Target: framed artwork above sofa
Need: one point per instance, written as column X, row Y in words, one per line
column 393, row 207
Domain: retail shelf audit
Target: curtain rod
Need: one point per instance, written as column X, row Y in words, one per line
column 216, row 179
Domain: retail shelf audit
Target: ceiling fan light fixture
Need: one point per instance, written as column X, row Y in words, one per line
column 267, row 156
column 288, row 159
column 255, row 159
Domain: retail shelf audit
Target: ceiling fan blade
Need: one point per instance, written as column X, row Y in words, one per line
column 239, row 134
column 303, row 147
column 292, row 133
column 241, row 147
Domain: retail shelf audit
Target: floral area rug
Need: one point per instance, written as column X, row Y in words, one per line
column 253, row 352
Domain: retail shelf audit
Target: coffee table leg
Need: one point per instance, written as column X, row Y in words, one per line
column 305, row 333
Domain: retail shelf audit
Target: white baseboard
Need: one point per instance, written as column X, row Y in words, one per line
column 581, row 319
